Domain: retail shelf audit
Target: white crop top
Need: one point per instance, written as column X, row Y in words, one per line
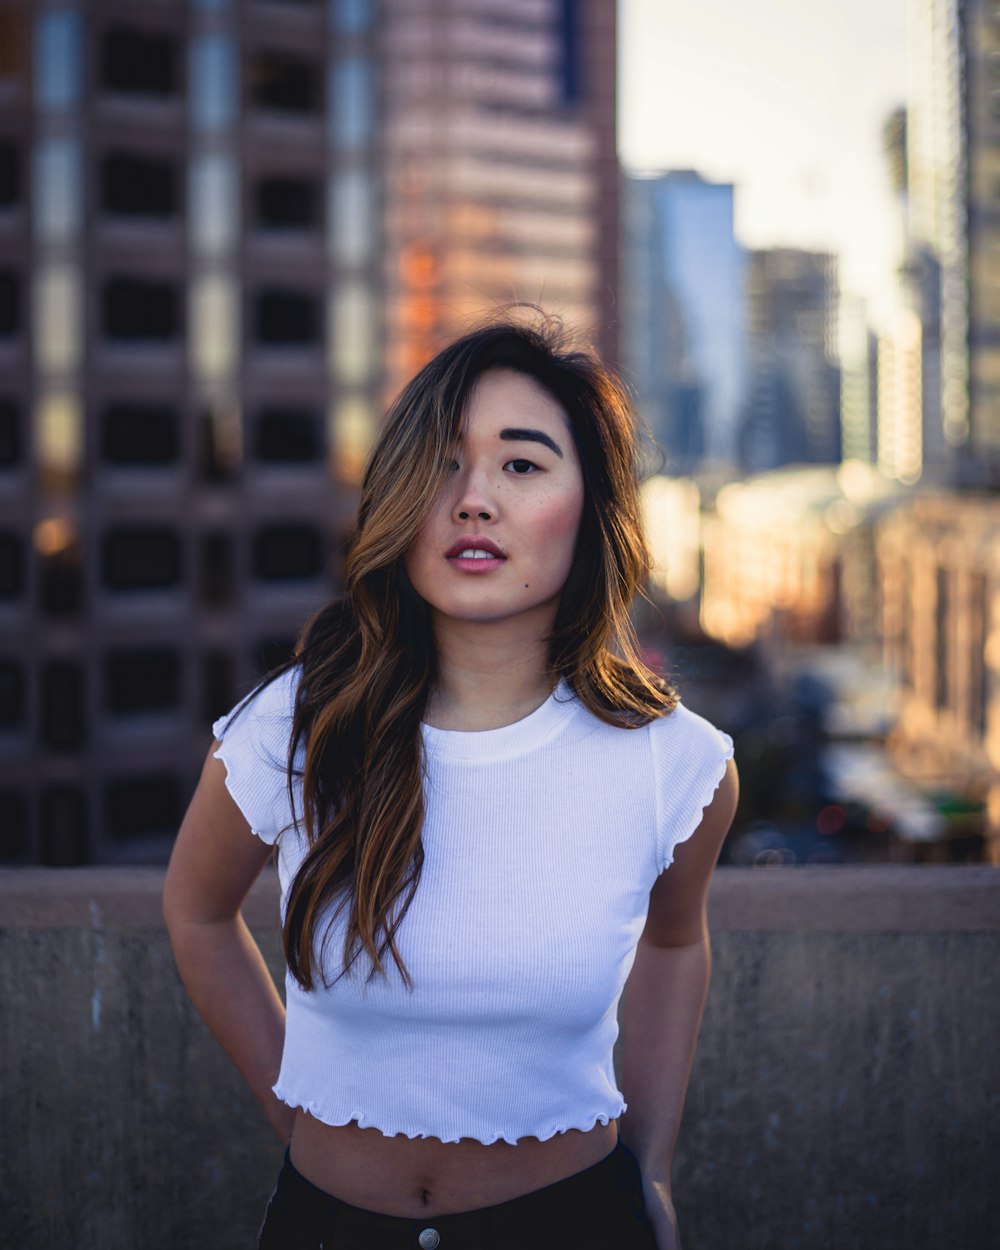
column 542, row 841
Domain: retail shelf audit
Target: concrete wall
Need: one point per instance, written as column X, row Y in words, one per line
column 845, row 1092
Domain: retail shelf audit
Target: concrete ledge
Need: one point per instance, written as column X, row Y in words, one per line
column 846, row 1089
column 890, row 898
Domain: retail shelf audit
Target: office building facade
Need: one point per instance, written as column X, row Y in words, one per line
column 203, row 227
column 684, row 345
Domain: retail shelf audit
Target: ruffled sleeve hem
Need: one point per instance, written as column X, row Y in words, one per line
column 695, row 762
column 253, row 746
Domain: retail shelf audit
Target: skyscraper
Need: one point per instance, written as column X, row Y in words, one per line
column 683, row 327
column 227, row 228
column 952, row 136
column 792, row 413
column 499, row 167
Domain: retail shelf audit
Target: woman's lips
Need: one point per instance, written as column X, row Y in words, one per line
column 475, row 555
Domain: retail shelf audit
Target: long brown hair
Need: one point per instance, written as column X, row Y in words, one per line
column 368, row 662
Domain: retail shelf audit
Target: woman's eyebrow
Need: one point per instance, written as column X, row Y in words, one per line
column 531, row 436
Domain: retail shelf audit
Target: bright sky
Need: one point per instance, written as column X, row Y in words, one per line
column 784, row 98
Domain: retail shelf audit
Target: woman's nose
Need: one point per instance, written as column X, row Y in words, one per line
column 475, row 500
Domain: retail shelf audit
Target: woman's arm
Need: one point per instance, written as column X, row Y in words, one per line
column 215, row 860
column 663, row 1005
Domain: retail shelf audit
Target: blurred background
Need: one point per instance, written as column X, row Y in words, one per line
column 230, row 230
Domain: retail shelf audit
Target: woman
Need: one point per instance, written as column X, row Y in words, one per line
column 474, row 788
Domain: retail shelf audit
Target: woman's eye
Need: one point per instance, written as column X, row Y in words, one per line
column 451, row 466
column 522, row 466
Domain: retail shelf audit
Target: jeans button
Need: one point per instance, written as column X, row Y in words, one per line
column 429, row 1239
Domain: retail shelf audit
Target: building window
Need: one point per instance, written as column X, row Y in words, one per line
column 350, row 17
column 351, row 104
column 141, row 679
column 220, row 439
column 141, row 558
column 12, row 566
column 287, row 203
column 213, row 206
column 213, row 82
column 58, row 60
column 58, row 320
column 138, row 186
column 351, row 218
column 143, row 806
column 353, row 347
column 139, row 433
column 216, row 569
column 63, row 713
column 287, row 553
column 58, row 189
column 60, row 568
column 10, row 303
column 13, row 44
column 12, row 694
column 59, row 439
column 15, row 842
column 10, row 175
column 284, row 318
column 283, row 83
column 214, row 327
column 10, row 433
column 942, row 622
column 136, row 61
column 286, row 434
column 218, row 684
column 140, row 310
column 64, row 826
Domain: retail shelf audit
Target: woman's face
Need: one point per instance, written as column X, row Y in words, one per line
column 499, row 541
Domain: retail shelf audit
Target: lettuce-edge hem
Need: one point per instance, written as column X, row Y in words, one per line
column 390, row 1128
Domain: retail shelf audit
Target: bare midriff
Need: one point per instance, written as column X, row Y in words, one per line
column 414, row 1177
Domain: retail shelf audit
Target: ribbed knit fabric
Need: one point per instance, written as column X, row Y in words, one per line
column 542, row 841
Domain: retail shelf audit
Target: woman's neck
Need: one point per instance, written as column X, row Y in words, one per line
column 488, row 676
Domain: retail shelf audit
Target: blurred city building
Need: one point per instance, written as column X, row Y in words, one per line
column 789, row 556
column 227, row 229
column 857, row 350
column 939, row 579
column 792, row 413
column 953, row 254
column 683, row 321
column 499, row 167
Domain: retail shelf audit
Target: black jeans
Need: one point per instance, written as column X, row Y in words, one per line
column 599, row 1208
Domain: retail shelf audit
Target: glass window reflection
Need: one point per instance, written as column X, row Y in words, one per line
column 350, row 17
column 351, row 327
column 351, row 217
column 58, row 191
column 353, row 431
column 214, row 326
column 58, row 60
column 57, row 318
column 351, row 103
column 213, row 82
column 58, row 428
column 213, row 204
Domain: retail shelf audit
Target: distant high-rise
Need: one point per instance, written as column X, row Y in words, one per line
column 792, row 414
column 952, row 135
column 858, row 354
column 683, row 313
column 499, row 167
column 227, row 231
